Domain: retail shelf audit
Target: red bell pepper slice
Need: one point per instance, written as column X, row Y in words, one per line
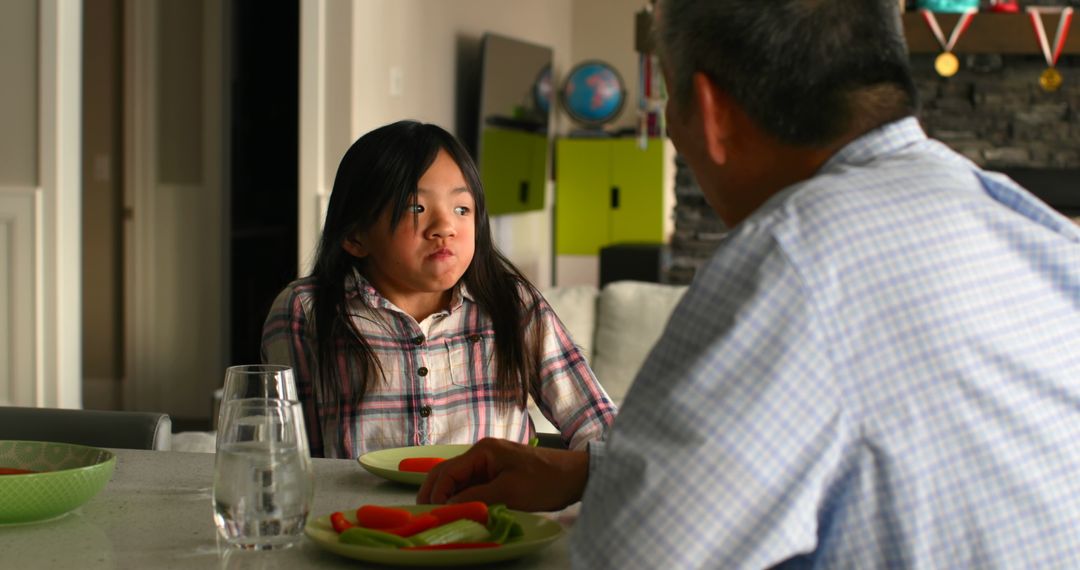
column 340, row 523
column 14, row 471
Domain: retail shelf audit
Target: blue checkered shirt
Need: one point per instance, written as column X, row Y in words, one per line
column 880, row 368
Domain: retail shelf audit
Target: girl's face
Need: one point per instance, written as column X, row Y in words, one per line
column 431, row 247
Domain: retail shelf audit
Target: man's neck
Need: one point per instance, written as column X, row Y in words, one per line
column 771, row 167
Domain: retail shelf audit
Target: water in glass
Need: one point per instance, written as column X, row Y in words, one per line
column 262, row 476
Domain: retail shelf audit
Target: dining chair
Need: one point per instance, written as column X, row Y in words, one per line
column 552, row 440
column 96, row 428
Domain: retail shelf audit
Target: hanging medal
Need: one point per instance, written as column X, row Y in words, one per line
column 946, row 63
column 1050, row 79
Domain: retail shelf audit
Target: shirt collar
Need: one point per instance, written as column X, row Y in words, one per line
column 358, row 288
column 881, row 141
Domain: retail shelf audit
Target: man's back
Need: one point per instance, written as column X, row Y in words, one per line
column 878, row 368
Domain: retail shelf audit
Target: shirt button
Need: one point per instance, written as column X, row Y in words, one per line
column 422, row 371
column 418, row 340
column 425, row 411
column 474, row 338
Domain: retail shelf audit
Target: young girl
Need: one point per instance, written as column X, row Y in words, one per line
column 412, row 329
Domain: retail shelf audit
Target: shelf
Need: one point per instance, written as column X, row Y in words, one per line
column 988, row 33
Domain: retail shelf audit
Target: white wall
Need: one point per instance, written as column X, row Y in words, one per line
column 19, row 200
column 19, row 93
column 421, row 39
column 426, row 48
column 40, row 309
column 430, row 46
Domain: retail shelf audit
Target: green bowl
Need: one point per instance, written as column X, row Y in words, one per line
column 68, row 476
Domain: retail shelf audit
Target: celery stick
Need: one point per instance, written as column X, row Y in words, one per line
column 502, row 525
column 462, row 530
column 369, row 537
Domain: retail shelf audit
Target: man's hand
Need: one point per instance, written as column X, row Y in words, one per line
column 500, row 471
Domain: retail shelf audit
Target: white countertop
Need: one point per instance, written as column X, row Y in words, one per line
column 156, row 513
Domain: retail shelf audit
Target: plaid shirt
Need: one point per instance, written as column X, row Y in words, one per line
column 439, row 377
column 879, row 368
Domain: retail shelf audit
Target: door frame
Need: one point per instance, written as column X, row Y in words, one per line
column 43, row 220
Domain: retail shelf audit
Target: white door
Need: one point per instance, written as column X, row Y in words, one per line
column 40, row 191
column 175, row 319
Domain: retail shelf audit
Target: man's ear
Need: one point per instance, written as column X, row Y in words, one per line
column 353, row 246
column 714, row 106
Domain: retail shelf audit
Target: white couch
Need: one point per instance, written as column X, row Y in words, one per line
column 615, row 326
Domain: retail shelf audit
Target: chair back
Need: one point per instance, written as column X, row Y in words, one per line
column 96, row 428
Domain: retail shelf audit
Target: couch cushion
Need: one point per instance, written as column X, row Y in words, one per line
column 576, row 307
column 630, row 317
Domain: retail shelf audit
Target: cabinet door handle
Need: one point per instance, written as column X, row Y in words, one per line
column 523, row 191
column 614, row 197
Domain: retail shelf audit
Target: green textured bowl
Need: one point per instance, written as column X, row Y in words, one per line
column 69, row 475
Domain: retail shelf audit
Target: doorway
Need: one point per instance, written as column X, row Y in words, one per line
column 263, row 178
column 229, row 230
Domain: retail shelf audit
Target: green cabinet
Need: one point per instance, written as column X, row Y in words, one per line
column 610, row 191
column 513, row 170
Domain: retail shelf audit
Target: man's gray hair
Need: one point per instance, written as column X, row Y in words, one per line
column 806, row 71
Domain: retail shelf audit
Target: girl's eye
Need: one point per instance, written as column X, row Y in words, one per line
column 416, row 209
column 462, row 210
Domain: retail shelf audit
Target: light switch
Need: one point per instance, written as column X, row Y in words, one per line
column 397, row 81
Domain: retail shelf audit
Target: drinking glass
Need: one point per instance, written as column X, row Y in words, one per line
column 273, row 381
column 263, row 483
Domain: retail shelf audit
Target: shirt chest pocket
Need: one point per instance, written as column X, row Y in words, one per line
column 462, row 363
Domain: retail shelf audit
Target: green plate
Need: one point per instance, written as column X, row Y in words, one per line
column 539, row 533
column 71, row 475
column 385, row 461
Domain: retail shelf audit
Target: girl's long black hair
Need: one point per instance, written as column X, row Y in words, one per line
column 382, row 170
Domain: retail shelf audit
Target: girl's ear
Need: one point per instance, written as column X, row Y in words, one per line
column 354, row 247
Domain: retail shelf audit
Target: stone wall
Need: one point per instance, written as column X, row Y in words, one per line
column 992, row 111
column 697, row 227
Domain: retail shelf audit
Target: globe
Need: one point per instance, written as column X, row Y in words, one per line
column 593, row 93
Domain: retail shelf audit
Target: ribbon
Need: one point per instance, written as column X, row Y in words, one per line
column 1035, row 12
column 957, row 31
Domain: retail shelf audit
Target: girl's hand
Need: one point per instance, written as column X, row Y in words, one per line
column 500, row 471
